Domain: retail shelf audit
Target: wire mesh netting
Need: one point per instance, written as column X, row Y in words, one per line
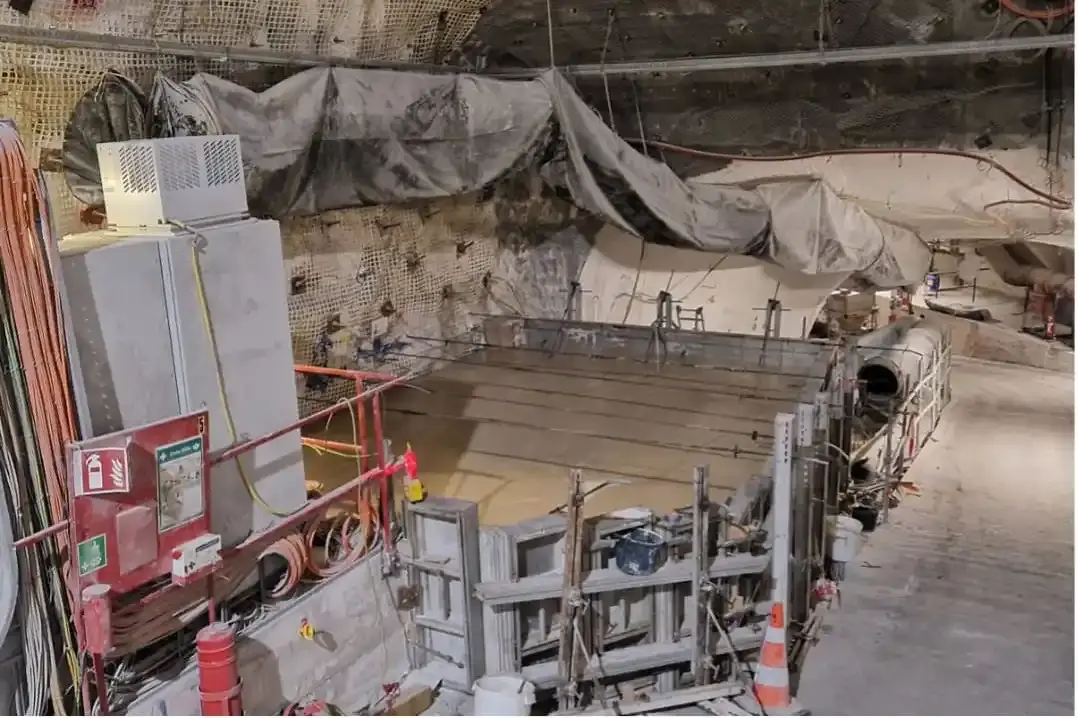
column 347, row 268
column 364, row 282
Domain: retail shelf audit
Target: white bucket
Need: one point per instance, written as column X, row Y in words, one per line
column 845, row 539
column 505, row 695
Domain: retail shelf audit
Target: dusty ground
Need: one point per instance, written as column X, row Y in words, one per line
column 505, row 432
column 964, row 603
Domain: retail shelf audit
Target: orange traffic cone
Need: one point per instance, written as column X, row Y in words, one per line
column 772, row 683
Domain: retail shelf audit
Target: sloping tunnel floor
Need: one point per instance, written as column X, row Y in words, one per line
column 963, row 604
column 503, row 428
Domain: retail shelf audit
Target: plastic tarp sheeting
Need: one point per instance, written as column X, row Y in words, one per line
column 331, row 138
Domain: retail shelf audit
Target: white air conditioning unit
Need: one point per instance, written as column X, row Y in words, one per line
column 147, row 183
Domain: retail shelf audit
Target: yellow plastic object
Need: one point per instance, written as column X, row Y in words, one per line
column 306, row 630
column 414, row 491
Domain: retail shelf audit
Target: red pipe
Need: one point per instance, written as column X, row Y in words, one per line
column 97, row 628
column 329, row 411
column 361, row 421
column 219, row 685
column 36, row 538
column 360, row 376
column 312, row 508
column 387, row 478
column 343, row 373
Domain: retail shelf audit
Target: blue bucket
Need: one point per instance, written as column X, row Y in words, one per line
column 640, row 552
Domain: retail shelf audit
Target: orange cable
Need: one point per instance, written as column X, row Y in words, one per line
column 1052, row 14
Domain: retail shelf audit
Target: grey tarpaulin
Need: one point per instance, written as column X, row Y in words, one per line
column 330, row 138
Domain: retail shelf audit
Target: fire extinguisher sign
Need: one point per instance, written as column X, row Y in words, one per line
column 102, row 471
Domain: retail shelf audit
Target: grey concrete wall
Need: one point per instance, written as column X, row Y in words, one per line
column 993, row 342
column 360, row 645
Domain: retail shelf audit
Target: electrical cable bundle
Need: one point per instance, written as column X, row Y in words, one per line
column 36, row 424
column 36, row 412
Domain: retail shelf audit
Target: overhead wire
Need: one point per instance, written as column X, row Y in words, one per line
column 946, row 152
column 352, row 529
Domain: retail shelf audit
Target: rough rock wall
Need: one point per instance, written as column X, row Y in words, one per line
column 381, row 288
column 417, row 270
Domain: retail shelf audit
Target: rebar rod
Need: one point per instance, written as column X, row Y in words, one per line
column 629, row 475
column 726, row 451
column 574, row 410
column 640, row 360
column 489, row 383
column 604, row 377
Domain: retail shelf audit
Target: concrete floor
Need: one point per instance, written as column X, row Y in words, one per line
column 963, row 604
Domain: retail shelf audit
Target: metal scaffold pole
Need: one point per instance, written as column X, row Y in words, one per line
column 802, row 513
column 782, row 507
column 572, row 656
column 701, row 583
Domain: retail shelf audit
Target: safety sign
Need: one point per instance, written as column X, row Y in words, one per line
column 179, row 483
column 103, row 471
column 92, row 554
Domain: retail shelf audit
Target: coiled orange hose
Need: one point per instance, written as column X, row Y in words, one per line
column 351, row 529
column 293, row 549
column 1047, row 14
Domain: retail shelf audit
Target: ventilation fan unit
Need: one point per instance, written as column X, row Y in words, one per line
column 148, row 183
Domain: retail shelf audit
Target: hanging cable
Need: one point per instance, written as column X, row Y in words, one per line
column 707, row 154
column 226, row 407
column 1052, row 14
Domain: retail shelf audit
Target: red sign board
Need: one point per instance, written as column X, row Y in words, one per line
column 123, row 488
column 104, row 470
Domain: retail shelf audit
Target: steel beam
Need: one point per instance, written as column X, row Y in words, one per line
column 644, row 657
column 844, row 56
column 803, row 545
column 548, row 585
column 72, row 39
column 701, row 584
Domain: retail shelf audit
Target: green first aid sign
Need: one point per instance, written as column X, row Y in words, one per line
column 92, row 555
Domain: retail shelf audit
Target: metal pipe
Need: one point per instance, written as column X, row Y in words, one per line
column 850, row 55
column 311, row 508
column 333, row 446
column 904, row 349
column 36, row 538
column 71, row 39
column 354, row 374
column 329, row 411
column 1046, row 280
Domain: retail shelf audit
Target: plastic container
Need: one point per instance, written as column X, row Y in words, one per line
column 845, row 538
column 641, row 552
column 507, row 695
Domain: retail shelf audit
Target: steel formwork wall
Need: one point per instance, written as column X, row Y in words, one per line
column 646, row 620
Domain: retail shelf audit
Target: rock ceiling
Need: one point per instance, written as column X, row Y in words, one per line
column 968, row 101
